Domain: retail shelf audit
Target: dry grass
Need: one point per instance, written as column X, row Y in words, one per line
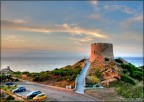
column 106, row 94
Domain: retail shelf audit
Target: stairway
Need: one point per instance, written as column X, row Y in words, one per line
column 80, row 87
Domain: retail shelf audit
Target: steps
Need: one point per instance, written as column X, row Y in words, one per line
column 80, row 87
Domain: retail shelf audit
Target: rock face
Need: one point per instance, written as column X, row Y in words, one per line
column 101, row 49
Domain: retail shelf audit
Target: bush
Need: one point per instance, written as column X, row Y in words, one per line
column 16, row 80
column 128, row 90
column 67, row 71
column 10, row 98
column 42, row 76
column 119, row 61
column 98, row 73
column 125, row 71
column 106, row 59
column 18, row 72
column 25, row 72
column 128, row 79
column 137, row 75
column 59, row 79
column 36, row 78
column 94, row 80
column 134, row 71
column 2, row 77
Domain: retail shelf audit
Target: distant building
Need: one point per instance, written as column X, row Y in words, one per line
column 5, row 70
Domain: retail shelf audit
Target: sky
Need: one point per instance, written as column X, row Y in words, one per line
column 68, row 28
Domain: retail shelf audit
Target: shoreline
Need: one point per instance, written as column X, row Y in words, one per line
column 34, row 68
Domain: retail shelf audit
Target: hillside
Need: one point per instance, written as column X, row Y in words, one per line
column 58, row 77
column 124, row 77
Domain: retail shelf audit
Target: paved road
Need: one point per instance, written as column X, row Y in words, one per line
column 81, row 79
column 56, row 94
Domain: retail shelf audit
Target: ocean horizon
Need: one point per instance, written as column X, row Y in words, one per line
column 38, row 64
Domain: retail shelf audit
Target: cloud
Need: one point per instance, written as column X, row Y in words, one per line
column 20, row 21
column 12, row 41
column 94, row 2
column 19, row 25
column 96, row 16
column 137, row 18
column 121, row 8
column 82, row 41
column 132, row 20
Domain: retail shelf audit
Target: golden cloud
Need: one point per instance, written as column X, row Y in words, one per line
column 21, row 25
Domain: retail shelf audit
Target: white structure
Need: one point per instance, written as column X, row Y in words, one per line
column 80, row 82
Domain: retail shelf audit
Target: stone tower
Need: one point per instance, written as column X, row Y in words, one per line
column 101, row 49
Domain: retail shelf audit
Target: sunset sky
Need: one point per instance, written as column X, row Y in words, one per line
column 67, row 28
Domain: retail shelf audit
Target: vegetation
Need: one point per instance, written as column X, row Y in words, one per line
column 10, row 88
column 128, row 79
column 98, row 73
column 95, row 80
column 106, row 59
column 2, row 77
column 59, row 77
column 10, row 98
column 67, row 73
column 42, row 76
column 131, row 83
column 127, row 90
column 119, row 60
column 133, row 71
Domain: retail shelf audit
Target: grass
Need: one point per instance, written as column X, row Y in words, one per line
column 127, row 90
column 9, row 88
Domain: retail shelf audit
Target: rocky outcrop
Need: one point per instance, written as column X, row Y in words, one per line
column 111, row 72
column 101, row 49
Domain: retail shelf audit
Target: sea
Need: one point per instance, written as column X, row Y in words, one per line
column 38, row 64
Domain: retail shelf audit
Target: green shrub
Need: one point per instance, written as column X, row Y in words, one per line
column 42, row 76
column 128, row 79
column 16, row 80
column 2, row 77
column 127, row 90
column 59, row 79
column 66, row 71
column 18, row 72
column 80, row 61
column 106, row 59
column 10, row 98
column 137, row 75
column 125, row 71
column 25, row 72
column 134, row 71
column 98, row 72
column 119, row 61
column 36, row 78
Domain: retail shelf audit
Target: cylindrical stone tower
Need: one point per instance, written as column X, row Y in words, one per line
column 101, row 49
